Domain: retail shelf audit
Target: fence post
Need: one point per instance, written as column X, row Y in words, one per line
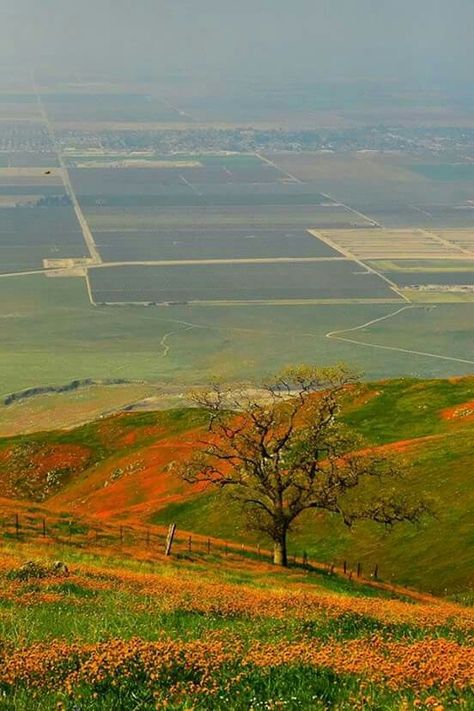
column 170, row 538
column 344, row 567
column 359, row 569
column 376, row 571
column 17, row 525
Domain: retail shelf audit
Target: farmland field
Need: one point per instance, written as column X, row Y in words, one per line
column 332, row 234
column 212, row 243
column 237, row 282
column 387, row 188
column 30, row 234
column 434, row 277
column 199, row 216
column 392, row 244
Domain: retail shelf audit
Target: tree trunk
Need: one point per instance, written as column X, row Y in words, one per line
column 279, row 551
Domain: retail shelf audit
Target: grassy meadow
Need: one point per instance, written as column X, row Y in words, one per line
column 140, row 631
column 52, row 335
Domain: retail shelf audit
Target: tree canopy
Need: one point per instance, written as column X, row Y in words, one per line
column 282, row 448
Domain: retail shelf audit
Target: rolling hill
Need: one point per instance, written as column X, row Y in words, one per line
column 116, row 470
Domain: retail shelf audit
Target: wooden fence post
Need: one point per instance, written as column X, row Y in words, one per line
column 344, row 567
column 170, row 538
column 359, row 569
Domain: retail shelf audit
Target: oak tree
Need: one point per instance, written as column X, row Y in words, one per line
column 282, row 448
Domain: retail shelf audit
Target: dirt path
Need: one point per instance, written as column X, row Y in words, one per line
column 336, row 335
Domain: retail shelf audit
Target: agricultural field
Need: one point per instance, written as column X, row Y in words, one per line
column 249, row 282
column 311, row 237
column 211, row 243
column 388, row 188
column 391, row 244
column 28, row 235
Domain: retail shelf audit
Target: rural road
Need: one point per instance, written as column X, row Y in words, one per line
column 335, row 335
column 87, row 234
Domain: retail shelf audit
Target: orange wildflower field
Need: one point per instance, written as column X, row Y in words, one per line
column 112, row 632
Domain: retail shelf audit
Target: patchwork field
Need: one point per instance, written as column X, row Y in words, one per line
column 275, row 244
column 388, row 188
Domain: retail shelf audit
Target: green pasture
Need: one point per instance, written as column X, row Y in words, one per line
column 51, row 335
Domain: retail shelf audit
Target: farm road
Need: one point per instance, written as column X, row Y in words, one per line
column 86, row 231
column 336, row 335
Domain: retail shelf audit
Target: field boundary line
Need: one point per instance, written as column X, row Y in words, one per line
column 250, row 302
column 89, row 289
column 29, row 273
column 86, row 231
column 281, row 170
column 335, row 335
column 243, row 260
column 373, row 222
column 448, row 244
column 343, row 250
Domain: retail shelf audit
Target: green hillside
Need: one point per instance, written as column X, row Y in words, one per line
column 117, row 468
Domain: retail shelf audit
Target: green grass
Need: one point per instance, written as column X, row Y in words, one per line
column 421, row 556
column 51, row 335
column 83, row 615
column 294, row 688
column 407, row 408
column 384, row 412
column 418, row 556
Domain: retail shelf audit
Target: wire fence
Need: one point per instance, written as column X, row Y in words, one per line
column 66, row 530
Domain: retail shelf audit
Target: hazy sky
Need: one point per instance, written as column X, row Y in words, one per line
column 306, row 39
